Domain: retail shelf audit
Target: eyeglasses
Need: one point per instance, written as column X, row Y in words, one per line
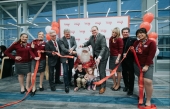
column 93, row 30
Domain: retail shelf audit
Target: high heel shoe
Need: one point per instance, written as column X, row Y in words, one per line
column 117, row 88
column 41, row 89
column 112, row 88
column 22, row 92
column 33, row 93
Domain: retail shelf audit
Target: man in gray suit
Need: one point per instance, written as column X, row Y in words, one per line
column 68, row 47
column 100, row 52
column 53, row 59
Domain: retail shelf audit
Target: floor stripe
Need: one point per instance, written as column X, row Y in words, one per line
column 84, row 99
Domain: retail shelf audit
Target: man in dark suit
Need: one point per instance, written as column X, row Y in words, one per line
column 127, row 64
column 68, row 47
column 100, row 52
column 53, row 59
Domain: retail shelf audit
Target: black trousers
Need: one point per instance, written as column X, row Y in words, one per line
column 128, row 73
column 54, row 76
column 67, row 67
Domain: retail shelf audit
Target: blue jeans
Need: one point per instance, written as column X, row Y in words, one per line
column 67, row 69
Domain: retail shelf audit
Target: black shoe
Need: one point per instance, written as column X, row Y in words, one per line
column 41, row 89
column 53, row 89
column 117, row 88
column 59, row 82
column 129, row 93
column 22, row 92
column 33, row 93
column 125, row 89
column 67, row 89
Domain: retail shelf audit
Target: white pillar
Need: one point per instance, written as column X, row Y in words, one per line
column 25, row 13
column 79, row 9
column 53, row 10
column 118, row 7
column 85, row 8
column 146, row 4
column 19, row 19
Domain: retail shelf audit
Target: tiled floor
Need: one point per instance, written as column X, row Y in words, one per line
column 83, row 99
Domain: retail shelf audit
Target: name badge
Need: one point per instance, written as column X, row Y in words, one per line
column 145, row 45
column 43, row 45
column 28, row 46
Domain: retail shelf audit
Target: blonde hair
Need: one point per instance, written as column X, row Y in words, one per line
column 117, row 31
column 91, row 69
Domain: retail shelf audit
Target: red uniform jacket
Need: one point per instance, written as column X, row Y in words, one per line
column 24, row 52
column 147, row 52
column 39, row 46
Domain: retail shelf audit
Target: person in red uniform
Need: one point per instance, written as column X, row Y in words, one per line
column 145, row 50
column 22, row 60
column 38, row 45
column 116, row 49
column 85, row 58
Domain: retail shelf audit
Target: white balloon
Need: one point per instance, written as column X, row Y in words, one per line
column 157, row 52
column 47, row 29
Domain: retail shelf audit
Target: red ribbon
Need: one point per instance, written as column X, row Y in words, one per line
column 140, row 82
column 34, row 78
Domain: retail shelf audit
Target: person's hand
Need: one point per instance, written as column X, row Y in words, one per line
column 32, row 45
column 37, row 58
column 18, row 58
column 53, row 53
column 145, row 68
column 117, row 61
column 97, row 61
column 74, row 52
column 124, row 55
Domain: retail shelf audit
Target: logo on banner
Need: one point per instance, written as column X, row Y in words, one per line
column 82, row 31
column 103, row 30
column 98, row 23
column 109, row 22
column 77, row 24
column 72, row 32
column 67, row 24
column 87, row 23
column 86, row 38
column 120, row 22
column 78, row 39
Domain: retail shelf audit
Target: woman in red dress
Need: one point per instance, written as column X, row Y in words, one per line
column 145, row 50
column 22, row 60
column 37, row 45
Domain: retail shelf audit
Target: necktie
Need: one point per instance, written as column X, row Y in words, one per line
column 94, row 38
column 55, row 44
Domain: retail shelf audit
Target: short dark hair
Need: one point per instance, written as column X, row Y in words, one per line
column 141, row 30
column 80, row 63
column 95, row 27
column 126, row 28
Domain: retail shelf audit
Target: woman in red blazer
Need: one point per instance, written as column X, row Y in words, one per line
column 22, row 60
column 36, row 45
column 145, row 50
column 116, row 49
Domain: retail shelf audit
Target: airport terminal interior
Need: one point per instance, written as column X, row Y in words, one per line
column 32, row 16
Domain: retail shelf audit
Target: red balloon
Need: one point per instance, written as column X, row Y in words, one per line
column 153, row 35
column 148, row 17
column 145, row 25
column 55, row 29
column 55, row 24
column 153, row 39
column 48, row 37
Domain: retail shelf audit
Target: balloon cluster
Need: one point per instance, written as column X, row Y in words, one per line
column 54, row 26
column 147, row 19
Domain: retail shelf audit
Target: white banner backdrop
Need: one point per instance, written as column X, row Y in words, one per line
column 81, row 28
